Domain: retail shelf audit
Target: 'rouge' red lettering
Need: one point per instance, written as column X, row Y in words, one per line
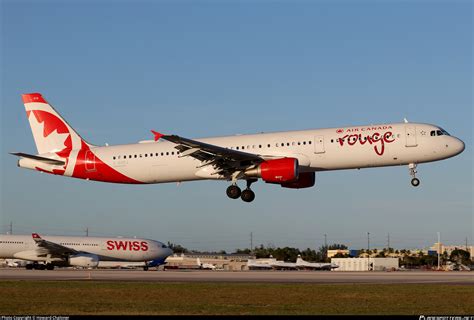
column 376, row 138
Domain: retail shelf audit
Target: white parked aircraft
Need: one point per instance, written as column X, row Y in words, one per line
column 50, row 251
column 206, row 266
column 289, row 159
column 16, row 263
column 302, row 264
column 270, row 263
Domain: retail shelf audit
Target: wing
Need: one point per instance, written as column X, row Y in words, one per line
column 52, row 247
column 225, row 161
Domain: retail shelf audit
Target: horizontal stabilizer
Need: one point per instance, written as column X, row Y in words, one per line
column 38, row 158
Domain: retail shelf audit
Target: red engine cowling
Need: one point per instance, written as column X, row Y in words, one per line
column 305, row 180
column 280, row 171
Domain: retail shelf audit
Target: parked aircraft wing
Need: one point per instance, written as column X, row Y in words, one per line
column 52, row 247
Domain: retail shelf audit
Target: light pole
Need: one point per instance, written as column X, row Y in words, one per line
column 368, row 251
column 325, row 247
column 439, row 249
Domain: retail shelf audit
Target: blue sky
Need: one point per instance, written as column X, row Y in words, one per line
column 116, row 69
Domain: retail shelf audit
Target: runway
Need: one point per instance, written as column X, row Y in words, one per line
column 243, row 276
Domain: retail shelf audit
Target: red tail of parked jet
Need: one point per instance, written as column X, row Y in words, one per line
column 289, row 159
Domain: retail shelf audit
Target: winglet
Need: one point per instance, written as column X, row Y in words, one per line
column 36, row 236
column 157, row 135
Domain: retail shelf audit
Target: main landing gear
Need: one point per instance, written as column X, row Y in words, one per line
column 414, row 181
column 39, row 266
column 247, row 195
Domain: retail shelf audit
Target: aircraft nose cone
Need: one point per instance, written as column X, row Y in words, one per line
column 459, row 146
column 167, row 252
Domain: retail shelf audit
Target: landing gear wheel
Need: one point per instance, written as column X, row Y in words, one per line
column 415, row 182
column 247, row 195
column 29, row 266
column 412, row 169
column 233, row 192
column 145, row 268
column 49, row 266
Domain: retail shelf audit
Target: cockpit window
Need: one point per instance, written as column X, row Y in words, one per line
column 440, row 132
column 445, row 133
column 164, row 246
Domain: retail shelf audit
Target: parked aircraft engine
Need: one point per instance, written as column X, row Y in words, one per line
column 84, row 260
column 279, row 171
column 305, row 180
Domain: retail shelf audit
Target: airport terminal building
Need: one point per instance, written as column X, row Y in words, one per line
column 366, row 264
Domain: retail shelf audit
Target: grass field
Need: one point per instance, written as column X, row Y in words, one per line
column 113, row 298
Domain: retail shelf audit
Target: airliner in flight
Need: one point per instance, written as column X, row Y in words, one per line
column 49, row 251
column 289, row 159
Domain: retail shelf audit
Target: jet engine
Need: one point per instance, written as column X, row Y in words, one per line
column 84, row 260
column 305, row 180
column 279, row 171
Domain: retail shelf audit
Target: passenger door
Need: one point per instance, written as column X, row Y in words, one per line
column 410, row 135
column 90, row 161
column 319, row 144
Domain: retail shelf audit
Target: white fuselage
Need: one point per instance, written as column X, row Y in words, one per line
column 106, row 248
column 316, row 150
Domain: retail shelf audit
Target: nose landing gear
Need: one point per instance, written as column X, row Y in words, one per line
column 414, row 181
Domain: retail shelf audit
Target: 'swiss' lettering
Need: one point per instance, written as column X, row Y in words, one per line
column 127, row 245
column 376, row 138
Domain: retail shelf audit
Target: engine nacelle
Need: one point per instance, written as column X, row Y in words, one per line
column 84, row 260
column 305, row 180
column 280, row 171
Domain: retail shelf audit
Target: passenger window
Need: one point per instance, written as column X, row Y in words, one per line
column 304, row 142
column 156, row 154
column 172, row 153
column 135, row 156
column 268, row 145
column 299, row 143
column 237, row 148
column 260, row 146
column 167, row 153
column 309, row 142
column 146, row 155
column 114, row 158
